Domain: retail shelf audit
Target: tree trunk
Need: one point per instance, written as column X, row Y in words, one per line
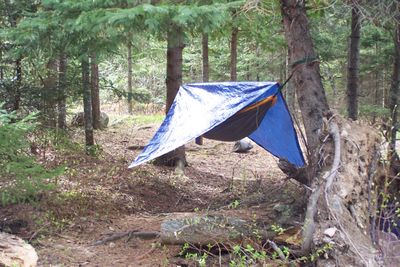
column 394, row 92
column 377, row 85
column 290, row 90
column 87, row 103
column 354, row 63
column 62, row 89
column 130, row 106
column 204, row 42
column 306, row 76
column 94, row 86
column 50, row 94
column 18, row 75
column 1, row 60
column 206, row 66
column 175, row 47
column 12, row 19
column 234, row 39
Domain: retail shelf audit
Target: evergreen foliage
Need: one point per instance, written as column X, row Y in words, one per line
column 21, row 177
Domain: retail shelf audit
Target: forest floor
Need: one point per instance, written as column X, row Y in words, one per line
column 99, row 195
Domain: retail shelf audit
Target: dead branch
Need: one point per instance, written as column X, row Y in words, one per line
column 277, row 250
column 130, row 234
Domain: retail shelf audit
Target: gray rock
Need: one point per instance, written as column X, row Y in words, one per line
column 204, row 229
column 242, row 146
column 79, row 120
column 104, row 119
column 16, row 252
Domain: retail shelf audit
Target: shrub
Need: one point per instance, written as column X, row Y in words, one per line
column 21, row 178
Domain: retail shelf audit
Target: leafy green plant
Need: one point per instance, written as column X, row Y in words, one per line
column 21, row 178
column 277, row 229
column 234, row 204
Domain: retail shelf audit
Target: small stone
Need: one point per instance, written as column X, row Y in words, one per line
column 112, row 245
column 330, row 231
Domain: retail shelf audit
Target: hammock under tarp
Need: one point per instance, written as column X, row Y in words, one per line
column 227, row 111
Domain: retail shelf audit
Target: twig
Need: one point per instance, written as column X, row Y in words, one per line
column 277, row 250
column 141, row 257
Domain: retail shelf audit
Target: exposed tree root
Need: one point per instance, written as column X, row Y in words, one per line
column 309, row 222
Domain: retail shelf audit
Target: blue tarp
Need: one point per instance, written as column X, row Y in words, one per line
column 199, row 108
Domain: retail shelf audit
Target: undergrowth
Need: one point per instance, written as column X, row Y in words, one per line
column 22, row 179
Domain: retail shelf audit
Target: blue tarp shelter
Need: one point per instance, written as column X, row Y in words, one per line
column 227, row 111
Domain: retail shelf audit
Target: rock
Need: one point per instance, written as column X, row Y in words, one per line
column 16, row 252
column 242, row 146
column 330, row 231
column 204, row 229
column 104, row 120
column 79, row 120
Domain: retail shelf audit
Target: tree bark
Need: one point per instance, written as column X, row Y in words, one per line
column 234, row 39
column 290, row 90
column 12, row 19
column 1, row 60
column 94, row 86
column 130, row 106
column 177, row 157
column 394, row 92
column 206, row 69
column 353, row 76
column 306, row 76
column 50, row 94
column 18, row 75
column 62, row 89
column 87, row 103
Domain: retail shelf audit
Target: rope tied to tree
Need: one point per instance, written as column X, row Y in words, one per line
column 304, row 60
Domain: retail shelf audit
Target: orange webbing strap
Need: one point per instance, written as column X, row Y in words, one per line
column 271, row 99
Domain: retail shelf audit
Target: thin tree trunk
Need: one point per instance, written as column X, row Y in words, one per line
column 12, row 19
column 377, row 85
column 206, row 66
column 306, row 76
column 257, row 63
column 175, row 47
column 62, row 88
column 130, row 105
column 206, row 69
column 394, row 92
column 17, row 94
column 353, row 78
column 87, row 103
column 1, row 60
column 50, row 94
column 234, row 39
column 94, row 86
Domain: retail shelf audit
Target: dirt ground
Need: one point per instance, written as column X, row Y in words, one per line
column 98, row 195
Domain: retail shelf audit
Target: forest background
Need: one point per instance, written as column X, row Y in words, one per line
column 129, row 58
